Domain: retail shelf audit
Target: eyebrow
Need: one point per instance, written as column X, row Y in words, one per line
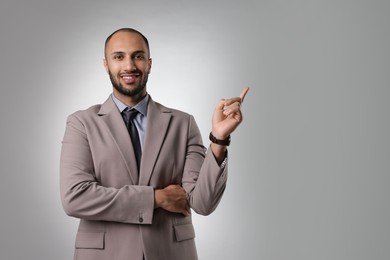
column 122, row 52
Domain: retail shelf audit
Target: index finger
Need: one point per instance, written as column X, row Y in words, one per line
column 243, row 93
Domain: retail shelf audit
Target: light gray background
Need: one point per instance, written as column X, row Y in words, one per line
column 309, row 167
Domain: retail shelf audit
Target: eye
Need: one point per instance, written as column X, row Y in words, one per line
column 139, row 57
column 118, row 57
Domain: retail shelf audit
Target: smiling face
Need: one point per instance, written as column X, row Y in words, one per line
column 128, row 63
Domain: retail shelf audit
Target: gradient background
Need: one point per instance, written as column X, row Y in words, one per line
column 309, row 166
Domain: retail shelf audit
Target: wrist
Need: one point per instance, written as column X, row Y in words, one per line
column 220, row 141
column 219, row 152
column 157, row 198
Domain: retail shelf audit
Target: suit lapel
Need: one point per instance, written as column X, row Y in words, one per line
column 158, row 119
column 113, row 120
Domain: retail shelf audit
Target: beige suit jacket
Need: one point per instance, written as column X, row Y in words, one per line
column 100, row 184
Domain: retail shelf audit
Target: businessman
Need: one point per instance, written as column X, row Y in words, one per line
column 132, row 169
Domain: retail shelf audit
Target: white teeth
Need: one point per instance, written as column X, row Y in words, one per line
column 130, row 77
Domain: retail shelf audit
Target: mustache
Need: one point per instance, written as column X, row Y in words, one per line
column 133, row 71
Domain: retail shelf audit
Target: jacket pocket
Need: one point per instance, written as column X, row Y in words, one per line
column 184, row 232
column 92, row 240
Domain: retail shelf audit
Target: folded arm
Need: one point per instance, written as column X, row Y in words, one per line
column 83, row 196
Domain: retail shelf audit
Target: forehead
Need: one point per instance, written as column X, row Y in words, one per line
column 126, row 42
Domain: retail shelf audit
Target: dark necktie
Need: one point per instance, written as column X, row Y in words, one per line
column 129, row 116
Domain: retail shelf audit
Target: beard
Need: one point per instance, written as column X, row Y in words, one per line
column 128, row 92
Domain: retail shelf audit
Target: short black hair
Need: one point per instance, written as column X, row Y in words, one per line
column 127, row 30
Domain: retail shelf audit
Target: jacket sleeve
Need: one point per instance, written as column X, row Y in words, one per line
column 84, row 197
column 203, row 179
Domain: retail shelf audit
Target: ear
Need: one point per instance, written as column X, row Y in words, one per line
column 105, row 65
column 150, row 65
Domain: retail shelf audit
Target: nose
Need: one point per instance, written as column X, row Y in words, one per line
column 129, row 64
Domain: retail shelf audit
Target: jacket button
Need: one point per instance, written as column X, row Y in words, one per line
column 141, row 220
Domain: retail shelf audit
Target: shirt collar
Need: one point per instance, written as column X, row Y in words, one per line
column 142, row 106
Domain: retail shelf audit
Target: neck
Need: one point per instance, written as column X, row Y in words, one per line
column 130, row 101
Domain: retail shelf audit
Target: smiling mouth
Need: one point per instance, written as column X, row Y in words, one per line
column 130, row 78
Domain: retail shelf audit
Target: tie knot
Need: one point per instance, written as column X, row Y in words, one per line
column 130, row 113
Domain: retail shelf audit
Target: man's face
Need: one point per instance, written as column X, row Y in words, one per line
column 128, row 63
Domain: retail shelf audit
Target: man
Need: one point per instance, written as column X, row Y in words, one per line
column 133, row 196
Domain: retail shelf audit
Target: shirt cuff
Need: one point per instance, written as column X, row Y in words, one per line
column 223, row 164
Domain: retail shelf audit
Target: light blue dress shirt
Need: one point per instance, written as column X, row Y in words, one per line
column 140, row 119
